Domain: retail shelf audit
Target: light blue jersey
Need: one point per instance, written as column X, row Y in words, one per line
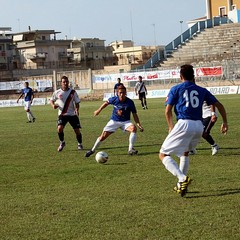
column 187, row 99
column 122, row 110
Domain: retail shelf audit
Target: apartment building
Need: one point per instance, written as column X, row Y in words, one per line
column 39, row 49
column 127, row 53
column 7, row 51
column 91, row 53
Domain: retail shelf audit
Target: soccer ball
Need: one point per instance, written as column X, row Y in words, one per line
column 101, row 157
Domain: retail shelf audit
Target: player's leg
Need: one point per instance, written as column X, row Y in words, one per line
column 32, row 116
column 184, row 163
column 75, row 123
column 208, row 124
column 30, row 112
column 132, row 129
column 110, row 128
column 141, row 99
column 177, row 141
column 27, row 109
column 60, row 129
column 145, row 101
column 97, row 143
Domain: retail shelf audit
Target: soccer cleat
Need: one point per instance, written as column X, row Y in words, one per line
column 29, row 121
column 143, row 108
column 80, row 146
column 89, row 153
column 61, row 146
column 192, row 152
column 146, row 107
column 181, row 187
column 215, row 149
column 133, row 152
column 34, row 119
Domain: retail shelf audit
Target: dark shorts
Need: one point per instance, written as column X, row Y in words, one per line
column 142, row 95
column 73, row 120
column 208, row 124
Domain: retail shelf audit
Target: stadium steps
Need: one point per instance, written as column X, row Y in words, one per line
column 213, row 44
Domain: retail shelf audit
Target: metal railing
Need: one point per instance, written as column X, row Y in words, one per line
column 181, row 39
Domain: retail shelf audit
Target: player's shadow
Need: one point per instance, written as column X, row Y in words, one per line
column 218, row 193
column 138, row 147
column 235, row 150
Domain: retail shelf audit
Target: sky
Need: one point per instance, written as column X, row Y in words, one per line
column 149, row 22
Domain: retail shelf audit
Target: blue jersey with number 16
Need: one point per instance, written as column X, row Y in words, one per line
column 187, row 99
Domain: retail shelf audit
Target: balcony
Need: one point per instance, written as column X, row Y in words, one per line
column 37, row 56
column 65, row 55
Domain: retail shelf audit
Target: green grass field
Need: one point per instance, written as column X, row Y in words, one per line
column 49, row 195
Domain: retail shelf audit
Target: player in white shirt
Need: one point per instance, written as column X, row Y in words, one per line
column 210, row 116
column 67, row 102
column 141, row 92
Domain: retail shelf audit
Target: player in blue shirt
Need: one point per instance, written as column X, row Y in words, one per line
column 122, row 109
column 27, row 92
column 115, row 90
column 187, row 99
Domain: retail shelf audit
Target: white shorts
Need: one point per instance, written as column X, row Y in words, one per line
column 184, row 137
column 112, row 126
column 27, row 105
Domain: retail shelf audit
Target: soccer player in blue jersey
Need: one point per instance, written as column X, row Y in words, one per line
column 187, row 99
column 122, row 109
column 27, row 92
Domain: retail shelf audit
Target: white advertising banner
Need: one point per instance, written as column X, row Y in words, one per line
column 164, row 92
column 37, row 85
column 223, row 90
column 157, row 75
column 151, row 94
column 13, row 102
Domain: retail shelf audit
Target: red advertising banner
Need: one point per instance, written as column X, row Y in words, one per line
column 209, row 71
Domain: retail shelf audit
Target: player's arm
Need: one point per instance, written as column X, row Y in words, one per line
column 145, row 89
column 101, row 108
column 214, row 115
column 169, row 117
column 136, row 89
column 77, row 105
column 136, row 119
column 19, row 97
column 52, row 103
column 222, row 111
column 32, row 97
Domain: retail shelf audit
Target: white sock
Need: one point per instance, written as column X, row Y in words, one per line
column 132, row 140
column 29, row 116
column 184, row 164
column 96, row 145
column 173, row 168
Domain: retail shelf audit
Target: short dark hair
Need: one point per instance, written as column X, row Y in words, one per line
column 65, row 78
column 187, row 72
column 122, row 87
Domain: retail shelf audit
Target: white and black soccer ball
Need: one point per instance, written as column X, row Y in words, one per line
column 101, row 157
